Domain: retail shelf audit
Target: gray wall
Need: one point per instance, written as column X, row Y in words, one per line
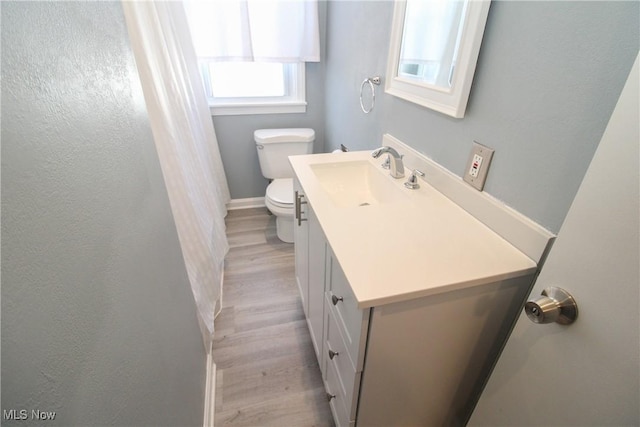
column 357, row 46
column 548, row 77
column 98, row 321
column 235, row 133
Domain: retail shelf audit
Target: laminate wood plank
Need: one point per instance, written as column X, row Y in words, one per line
column 225, row 322
column 239, row 290
column 251, row 237
column 280, row 267
column 267, row 313
column 254, row 345
column 273, row 248
column 267, row 371
column 239, row 214
column 250, row 229
column 305, row 409
column 251, row 254
column 236, row 386
column 278, row 377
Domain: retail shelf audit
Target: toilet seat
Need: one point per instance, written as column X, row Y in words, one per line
column 280, row 193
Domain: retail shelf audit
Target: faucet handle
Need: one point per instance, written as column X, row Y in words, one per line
column 387, row 163
column 412, row 182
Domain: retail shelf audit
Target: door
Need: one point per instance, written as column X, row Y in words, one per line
column 586, row 373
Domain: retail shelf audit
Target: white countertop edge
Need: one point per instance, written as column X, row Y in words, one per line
column 364, row 303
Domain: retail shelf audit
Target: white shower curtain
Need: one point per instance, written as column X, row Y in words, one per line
column 186, row 144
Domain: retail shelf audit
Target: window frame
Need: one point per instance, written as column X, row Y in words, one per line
column 293, row 101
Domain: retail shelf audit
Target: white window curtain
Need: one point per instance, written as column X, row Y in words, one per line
column 255, row 30
column 186, row 144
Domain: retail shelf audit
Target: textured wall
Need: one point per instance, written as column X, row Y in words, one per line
column 548, row 77
column 357, row 43
column 98, row 322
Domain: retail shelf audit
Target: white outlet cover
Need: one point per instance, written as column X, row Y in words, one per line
column 478, row 165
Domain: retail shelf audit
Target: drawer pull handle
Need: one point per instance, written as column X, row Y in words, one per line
column 332, row 354
column 298, row 211
column 335, row 299
column 330, row 396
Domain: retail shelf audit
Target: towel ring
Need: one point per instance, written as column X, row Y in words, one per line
column 371, row 81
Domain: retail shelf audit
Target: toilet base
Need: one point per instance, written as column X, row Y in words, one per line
column 284, row 228
column 284, row 220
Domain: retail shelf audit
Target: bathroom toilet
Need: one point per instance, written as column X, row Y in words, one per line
column 274, row 147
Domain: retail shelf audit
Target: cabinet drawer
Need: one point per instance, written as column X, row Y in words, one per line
column 337, row 403
column 336, row 354
column 352, row 321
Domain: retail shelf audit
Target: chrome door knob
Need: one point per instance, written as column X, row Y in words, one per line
column 555, row 305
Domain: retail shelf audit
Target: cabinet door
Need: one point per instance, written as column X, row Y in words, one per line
column 301, row 242
column 315, row 304
column 353, row 322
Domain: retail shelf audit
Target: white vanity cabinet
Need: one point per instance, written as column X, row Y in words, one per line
column 345, row 339
column 428, row 359
column 420, row 362
column 409, row 301
column 310, row 245
column 301, row 246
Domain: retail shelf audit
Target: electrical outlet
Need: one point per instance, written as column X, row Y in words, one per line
column 478, row 165
column 475, row 165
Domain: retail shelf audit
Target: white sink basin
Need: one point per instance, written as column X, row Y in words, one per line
column 357, row 183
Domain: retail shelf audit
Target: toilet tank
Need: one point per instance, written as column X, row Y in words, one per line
column 276, row 145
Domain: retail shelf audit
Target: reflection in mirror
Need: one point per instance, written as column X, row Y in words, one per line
column 430, row 40
column 433, row 52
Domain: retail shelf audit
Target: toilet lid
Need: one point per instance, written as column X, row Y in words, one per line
column 280, row 191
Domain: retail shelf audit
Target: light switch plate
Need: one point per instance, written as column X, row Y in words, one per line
column 478, row 165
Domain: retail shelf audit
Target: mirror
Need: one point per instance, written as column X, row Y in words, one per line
column 433, row 52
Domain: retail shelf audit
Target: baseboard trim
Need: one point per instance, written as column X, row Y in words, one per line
column 210, row 392
column 251, row 202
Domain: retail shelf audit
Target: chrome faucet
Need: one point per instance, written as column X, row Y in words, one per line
column 397, row 168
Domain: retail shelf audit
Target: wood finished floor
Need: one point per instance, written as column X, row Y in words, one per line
column 267, row 372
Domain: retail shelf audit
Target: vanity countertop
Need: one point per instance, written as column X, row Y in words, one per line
column 422, row 245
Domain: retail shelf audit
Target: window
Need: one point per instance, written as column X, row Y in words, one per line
column 252, row 53
column 253, row 87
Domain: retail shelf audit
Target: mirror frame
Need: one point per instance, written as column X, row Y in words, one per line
column 450, row 101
